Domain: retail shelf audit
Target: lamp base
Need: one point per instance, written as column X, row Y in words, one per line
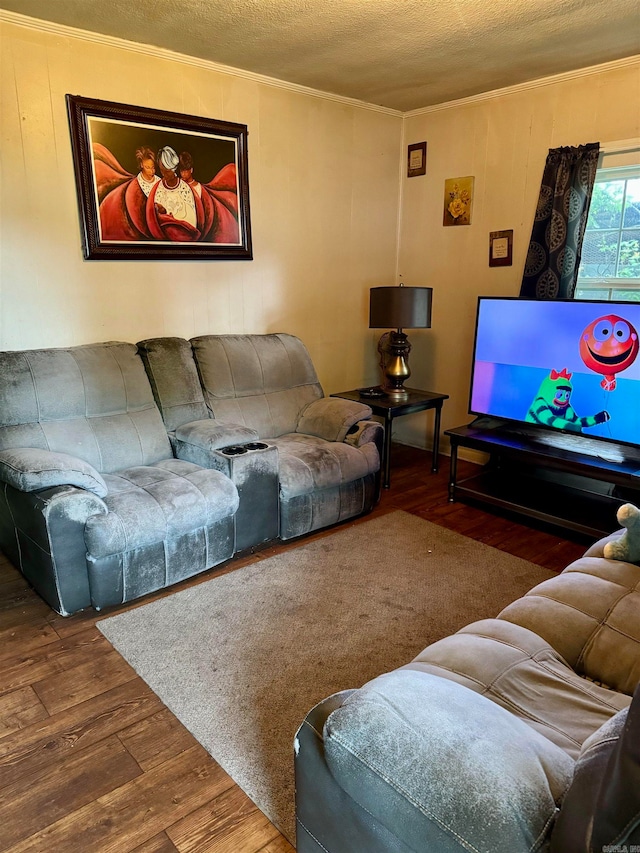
column 394, row 349
column 397, row 394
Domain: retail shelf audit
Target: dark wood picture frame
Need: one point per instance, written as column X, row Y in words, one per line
column 125, row 169
column 416, row 159
column 501, row 248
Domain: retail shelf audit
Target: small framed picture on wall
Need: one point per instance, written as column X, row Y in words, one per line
column 458, row 200
column 501, row 248
column 417, row 159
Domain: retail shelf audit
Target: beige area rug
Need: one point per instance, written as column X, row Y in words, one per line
column 241, row 658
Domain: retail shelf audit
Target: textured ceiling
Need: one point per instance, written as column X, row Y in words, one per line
column 402, row 54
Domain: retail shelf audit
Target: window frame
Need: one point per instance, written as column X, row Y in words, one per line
column 609, row 168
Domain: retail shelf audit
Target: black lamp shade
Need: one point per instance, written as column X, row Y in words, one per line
column 400, row 307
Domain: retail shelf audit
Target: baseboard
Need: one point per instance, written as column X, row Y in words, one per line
column 465, row 453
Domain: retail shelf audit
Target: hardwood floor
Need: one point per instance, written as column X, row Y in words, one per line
column 91, row 760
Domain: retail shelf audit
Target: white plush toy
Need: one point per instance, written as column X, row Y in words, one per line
column 627, row 546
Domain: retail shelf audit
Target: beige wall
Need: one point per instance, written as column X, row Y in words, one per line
column 503, row 142
column 325, row 179
column 324, row 187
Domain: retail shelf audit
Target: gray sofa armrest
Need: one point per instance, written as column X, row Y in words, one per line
column 29, row 469
column 328, row 820
column 197, row 441
column 444, row 767
column 331, row 418
column 212, row 435
column 42, row 532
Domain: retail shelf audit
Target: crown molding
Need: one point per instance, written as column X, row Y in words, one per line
column 615, row 65
column 40, row 25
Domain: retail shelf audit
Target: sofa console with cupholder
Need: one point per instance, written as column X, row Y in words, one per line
column 253, row 467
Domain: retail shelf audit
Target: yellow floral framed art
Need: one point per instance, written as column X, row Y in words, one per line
column 458, row 201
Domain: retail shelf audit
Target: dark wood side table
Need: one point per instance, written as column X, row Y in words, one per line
column 390, row 408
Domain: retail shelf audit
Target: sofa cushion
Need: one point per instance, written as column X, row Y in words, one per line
column 519, row 670
column 174, row 379
column 397, row 743
column 30, row 469
column 149, row 504
column 589, row 614
column 260, row 381
column 93, row 402
column 308, row 464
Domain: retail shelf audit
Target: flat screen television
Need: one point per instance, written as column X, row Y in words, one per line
column 569, row 365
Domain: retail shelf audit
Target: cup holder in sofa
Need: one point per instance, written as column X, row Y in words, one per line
column 239, row 449
column 234, row 450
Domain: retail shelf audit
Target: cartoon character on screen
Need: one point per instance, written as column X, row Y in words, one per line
column 552, row 406
column 609, row 345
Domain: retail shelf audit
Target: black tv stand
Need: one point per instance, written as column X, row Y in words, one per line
column 487, row 422
column 567, row 480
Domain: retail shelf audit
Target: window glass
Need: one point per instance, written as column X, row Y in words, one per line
column 610, row 264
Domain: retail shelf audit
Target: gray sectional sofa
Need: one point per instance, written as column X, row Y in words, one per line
column 515, row 735
column 126, row 468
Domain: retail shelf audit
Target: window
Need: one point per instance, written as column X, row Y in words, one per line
column 610, row 264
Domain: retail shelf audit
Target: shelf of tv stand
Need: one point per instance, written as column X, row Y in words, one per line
column 577, row 489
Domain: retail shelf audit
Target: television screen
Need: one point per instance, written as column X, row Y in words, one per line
column 567, row 365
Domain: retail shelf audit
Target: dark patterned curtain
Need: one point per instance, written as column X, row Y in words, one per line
column 551, row 268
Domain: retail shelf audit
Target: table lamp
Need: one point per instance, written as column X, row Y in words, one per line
column 398, row 308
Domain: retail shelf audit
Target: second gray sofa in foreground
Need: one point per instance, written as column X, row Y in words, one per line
column 495, row 739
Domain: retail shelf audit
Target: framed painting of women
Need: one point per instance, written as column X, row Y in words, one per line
column 154, row 184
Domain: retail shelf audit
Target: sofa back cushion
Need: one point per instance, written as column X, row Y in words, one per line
column 93, row 402
column 174, row 379
column 260, row 381
column 589, row 614
column 520, row 671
